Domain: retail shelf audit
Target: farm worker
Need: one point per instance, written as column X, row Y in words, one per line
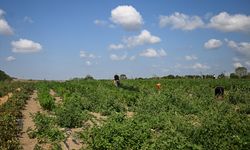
column 158, row 86
column 219, row 92
column 117, row 80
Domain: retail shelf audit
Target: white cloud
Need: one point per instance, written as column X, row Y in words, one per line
column 103, row 23
column 241, row 47
column 2, row 13
column 230, row 23
column 213, row 44
column 144, row 37
column 191, row 57
column 5, row 28
column 236, row 59
column 200, row 66
column 25, row 46
column 84, row 54
column 10, row 58
column 153, row 53
column 127, row 16
column 116, row 46
column 118, row 58
column 28, row 19
column 176, row 66
column 100, row 22
column 88, row 63
column 247, row 63
column 132, row 58
column 181, row 21
column 237, row 64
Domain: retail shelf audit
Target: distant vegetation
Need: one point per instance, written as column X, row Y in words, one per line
column 4, row 76
column 181, row 114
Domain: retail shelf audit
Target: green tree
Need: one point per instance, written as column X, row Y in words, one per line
column 221, row 76
column 241, row 71
column 233, row 76
column 89, row 77
column 4, row 76
column 123, row 77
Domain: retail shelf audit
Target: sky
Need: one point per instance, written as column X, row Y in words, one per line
column 63, row 39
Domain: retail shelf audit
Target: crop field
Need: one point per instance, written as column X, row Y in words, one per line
column 94, row 114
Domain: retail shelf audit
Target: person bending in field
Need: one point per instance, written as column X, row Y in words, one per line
column 117, row 81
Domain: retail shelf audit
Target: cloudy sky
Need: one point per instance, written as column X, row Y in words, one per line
column 62, row 39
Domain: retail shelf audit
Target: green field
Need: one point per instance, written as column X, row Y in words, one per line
column 183, row 114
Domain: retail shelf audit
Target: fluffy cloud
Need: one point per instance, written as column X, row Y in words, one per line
column 127, row 16
column 242, row 47
column 237, row 64
column 230, row 23
column 247, row 63
column 5, row 28
column 118, row 58
column 100, row 22
column 103, row 23
column 84, row 54
column 116, row 46
column 181, row 21
column 200, row 66
column 28, row 19
column 144, row 37
column 25, row 46
column 153, row 53
column 88, row 63
column 2, row 12
column 191, row 57
column 132, row 58
column 212, row 44
column 10, row 58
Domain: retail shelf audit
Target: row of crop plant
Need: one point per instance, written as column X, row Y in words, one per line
column 10, row 115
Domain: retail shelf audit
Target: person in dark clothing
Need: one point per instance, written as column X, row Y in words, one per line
column 219, row 92
column 117, row 81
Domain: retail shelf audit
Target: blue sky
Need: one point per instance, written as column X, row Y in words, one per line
column 47, row 39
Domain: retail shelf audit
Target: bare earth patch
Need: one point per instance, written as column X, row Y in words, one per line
column 129, row 114
column 18, row 89
column 58, row 99
column 5, row 98
column 72, row 141
column 31, row 108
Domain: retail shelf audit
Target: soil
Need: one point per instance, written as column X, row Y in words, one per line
column 72, row 142
column 58, row 100
column 31, row 108
column 98, row 119
column 129, row 114
column 5, row 98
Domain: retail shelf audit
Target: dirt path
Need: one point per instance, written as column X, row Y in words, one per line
column 31, row 107
column 58, row 99
column 5, row 98
column 71, row 141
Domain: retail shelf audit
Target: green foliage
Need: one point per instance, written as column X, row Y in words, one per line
column 118, row 134
column 45, row 99
column 10, row 116
column 45, row 129
column 183, row 114
column 89, row 77
column 234, row 76
column 71, row 114
column 4, row 76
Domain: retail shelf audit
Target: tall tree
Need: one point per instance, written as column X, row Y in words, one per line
column 241, row 71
